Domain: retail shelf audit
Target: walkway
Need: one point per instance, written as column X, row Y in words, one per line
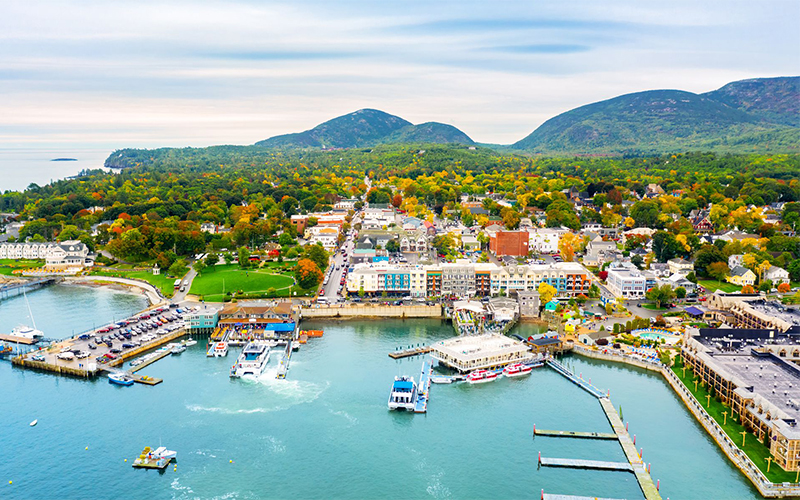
column 579, row 381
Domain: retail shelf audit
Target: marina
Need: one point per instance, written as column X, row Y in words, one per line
column 408, row 352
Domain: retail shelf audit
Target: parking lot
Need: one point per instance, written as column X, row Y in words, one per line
column 107, row 343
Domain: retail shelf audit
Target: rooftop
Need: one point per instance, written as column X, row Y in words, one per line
column 480, row 346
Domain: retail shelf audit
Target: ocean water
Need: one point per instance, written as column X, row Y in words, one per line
column 325, row 431
column 21, row 167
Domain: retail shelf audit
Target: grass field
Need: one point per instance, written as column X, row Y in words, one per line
column 712, row 286
column 758, row 452
column 160, row 281
column 8, row 266
column 210, row 283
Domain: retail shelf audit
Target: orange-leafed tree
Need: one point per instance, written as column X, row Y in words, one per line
column 784, row 288
column 397, row 200
column 307, row 273
column 748, row 289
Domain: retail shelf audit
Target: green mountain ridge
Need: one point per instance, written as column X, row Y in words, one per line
column 368, row 127
column 746, row 116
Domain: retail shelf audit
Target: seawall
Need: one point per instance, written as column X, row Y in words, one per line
column 367, row 311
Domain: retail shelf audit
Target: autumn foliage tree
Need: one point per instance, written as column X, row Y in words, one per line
column 748, row 289
column 307, row 273
column 784, row 288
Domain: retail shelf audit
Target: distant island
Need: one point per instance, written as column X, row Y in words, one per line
column 64, row 159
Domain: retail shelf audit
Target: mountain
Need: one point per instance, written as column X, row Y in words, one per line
column 774, row 99
column 430, row 132
column 751, row 115
column 368, row 127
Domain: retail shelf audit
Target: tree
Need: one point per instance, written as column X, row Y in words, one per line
column 665, row 246
column 211, row 259
column 594, row 291
column 645, row 213
column 178, row 268
column 546, row 292
column 567, row 245
column 307, row 274
column 784, row 288
column 718, row 270
column 199, row 266
column 443, row 243
column 244, row 257
column 707, row 255
column 765, row 286
column 361, row 291
column 680, row 292
column 748, row 289
column 511, row 219
column 318, row 254
column 660, row 295
column 392, row 246
column 397, row 200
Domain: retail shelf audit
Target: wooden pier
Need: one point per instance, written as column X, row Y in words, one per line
column 575, row 463
column 413, row 351
column 423, row 389
column 550, row 496
column 574, row 434
column 7, row 291
column 148, row 362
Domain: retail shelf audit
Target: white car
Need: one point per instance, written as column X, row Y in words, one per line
column 82, row 354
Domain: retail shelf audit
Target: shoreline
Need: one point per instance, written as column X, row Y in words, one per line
column 125, row 285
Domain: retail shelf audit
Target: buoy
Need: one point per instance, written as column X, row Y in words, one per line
column 9, row 482
column 230, row 461
column 126, row 459
column 86, row 448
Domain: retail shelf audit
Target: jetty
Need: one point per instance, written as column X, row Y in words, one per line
column 14, row 289
column 575, row 379
column 423, row 389
column 411, row 351
column 550, row 496
column 155, row 357
column 283, row 366
column 575, row 463
column 574, row 434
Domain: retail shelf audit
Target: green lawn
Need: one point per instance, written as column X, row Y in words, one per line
column 209, row 284
column 652, row 307
column 712, row 286
column 8, row 266
column 160, row 281
column 758, row 452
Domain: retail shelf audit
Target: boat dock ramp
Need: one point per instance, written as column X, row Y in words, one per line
column 575, row 379
column 574, row 434
column 409, row 351
column 152, row 358
column 423, row 389
column 283, row 366
column 574, row 463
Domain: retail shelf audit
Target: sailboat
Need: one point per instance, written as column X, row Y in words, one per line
column 24, row 332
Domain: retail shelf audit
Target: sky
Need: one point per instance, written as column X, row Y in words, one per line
column 110, row 74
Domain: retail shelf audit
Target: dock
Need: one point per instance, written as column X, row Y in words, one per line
column 144, row 379
column 649, row 489
column 283, row 367
column 423, row 389
column 575, row 463
column 574, row 434
column 150, row 361
column 579, row 381
column 550, row 496
column 14, row 289
column 411, row 351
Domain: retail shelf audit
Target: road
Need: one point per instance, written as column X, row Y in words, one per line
column 338, row 266
column 181, row 296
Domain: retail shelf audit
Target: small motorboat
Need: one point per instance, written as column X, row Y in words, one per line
column 178, row 349
column 441, row 379
column 34, row 423
column 189, row 342
column 481, row 376
column 120, row 379
column 517, row 370
column 163, row 453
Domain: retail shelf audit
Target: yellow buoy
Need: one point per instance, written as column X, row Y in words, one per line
column 126, row 459
column 230, row 461
column 86, row 448
column 9, row 482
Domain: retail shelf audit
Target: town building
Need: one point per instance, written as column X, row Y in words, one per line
column 203, row 321
column 543, row 240
column 750, row 371
column 777, row 275
column 741, row 276
column 626, row 281
column 71, row 254
column 679, row 265
column 468, row 353
column 512, row 243
column 529, row 303
column 599, row 252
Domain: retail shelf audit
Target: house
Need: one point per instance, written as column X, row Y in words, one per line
column 591, row 338
column 529, row 303
column 599, row 252
column 327, row 236
column 777, row 275
column 737, row 236
column 470, row 243
column 735, row 260
column 653, row 190
column 682, row 266
column 544, row 240
column 208, row 227
column 414, row 241
column 345, row 204
column 679, row 280
column 660, row 269
column 741, row 276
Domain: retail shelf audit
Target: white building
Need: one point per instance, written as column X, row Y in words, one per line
column 544, row 240
column 328, row 236
column 679, row 265
column 476, row 352
column 346, row 204
column 626, row 282
column 64, row 255
column 777, row 275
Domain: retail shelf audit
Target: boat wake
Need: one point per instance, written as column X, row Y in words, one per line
column 435, row 487
column 353, row 420
column 230, row 411
column 275, row 445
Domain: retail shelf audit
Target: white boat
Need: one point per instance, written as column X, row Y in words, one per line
column 252, row 361
column 481, row 376
column 178, row 349
column 34, row 422
column 27, row 333
column 404, row 394
column 219, row 349
column 189, row 342
column 120, row 379
column 517, row 370
column 163, row 453
column 441, row 379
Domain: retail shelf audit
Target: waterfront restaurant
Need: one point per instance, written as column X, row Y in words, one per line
column 258, row 320
column 752, row 371
column 479, row 352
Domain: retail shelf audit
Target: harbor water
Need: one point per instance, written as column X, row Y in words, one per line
column 325, row 431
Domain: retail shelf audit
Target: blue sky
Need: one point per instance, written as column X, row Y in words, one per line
column 179, row 73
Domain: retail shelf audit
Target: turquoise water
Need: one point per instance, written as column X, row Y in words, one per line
column 325, row 432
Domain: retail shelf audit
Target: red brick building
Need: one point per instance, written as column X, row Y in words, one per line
column 513, row 243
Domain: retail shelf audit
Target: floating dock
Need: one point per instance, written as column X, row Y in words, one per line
column 144, row 379
column 412, row 351
column 143, row 462
column 550, row 496
column 150, row 361
column 283, row 367
column 574, row 434
column 574, row 463
column 423, row 389
column 579, row 381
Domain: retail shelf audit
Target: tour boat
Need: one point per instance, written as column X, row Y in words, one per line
column 404, row 394
column 516, row 370
column 481, row 376
column 120, row 379
column 218, row 350
column 252, row 361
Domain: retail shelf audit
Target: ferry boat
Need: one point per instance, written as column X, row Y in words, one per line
column 217, row 350
column 517, row 370
column 252, row 361
column 120, row 379
column 481, row 376
column 404, row 394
